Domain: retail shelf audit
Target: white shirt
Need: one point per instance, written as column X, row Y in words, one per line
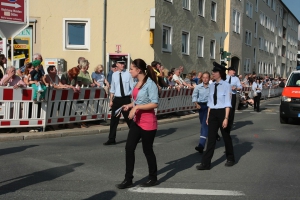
column 177, row 78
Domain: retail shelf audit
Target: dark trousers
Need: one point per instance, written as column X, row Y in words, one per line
column 215, row 121
column 257, row 101
column 114, row 121
column 134, row 135
column 232, row 111
column 204, row 127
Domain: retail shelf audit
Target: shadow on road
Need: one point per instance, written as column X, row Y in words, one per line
column 15, row 149
column 239, row 151
column 36, row 177
column 107, row 195
column 178, row 165
column 164, row 133
column 241, row 124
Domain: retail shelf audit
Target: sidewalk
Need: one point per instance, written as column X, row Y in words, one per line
column 92, row 130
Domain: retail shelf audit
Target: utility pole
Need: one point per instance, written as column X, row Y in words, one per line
column 104, row 36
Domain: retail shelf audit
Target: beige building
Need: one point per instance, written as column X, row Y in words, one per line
column 181, row 31
column 267, row 33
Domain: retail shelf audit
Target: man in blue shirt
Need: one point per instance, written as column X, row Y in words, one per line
column 110, row 73
column 120, row 91
column 235, row 86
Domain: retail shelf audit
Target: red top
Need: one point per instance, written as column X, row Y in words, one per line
column 145, row 119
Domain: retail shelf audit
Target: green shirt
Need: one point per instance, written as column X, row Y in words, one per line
column 65, row 78
column 84, row 78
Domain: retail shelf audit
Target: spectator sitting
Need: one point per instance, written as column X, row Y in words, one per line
column 2, row 62
column 188, row 80
column 110, row 73
column 99, row 78
column 177, row 79
column 245, row 101
column 69, row 78
column 52, row 79
column 170, row 79
column 84, row 77
column 38, row 86
column 11, row 79
column 26, row 75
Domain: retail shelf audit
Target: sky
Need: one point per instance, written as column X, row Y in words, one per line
column 294, row 6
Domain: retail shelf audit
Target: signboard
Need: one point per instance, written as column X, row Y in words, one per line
column 13, row 11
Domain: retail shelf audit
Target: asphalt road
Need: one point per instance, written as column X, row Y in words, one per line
column 267, row 155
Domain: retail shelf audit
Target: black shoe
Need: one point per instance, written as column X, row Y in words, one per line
column 199, row 149
column 110, row 142
column 229, row 163
column 203, row 167
column 124, row 184
column 149, row 183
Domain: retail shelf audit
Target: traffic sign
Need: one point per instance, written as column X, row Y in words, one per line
column 13, row 11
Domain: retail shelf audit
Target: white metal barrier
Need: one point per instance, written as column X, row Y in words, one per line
column 66, row 106
column 18, row 110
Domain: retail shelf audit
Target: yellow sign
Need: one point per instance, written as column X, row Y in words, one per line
column 22, row 56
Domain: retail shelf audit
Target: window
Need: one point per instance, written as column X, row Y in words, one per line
column 201, row 7
column 212, row 49
column 274, row 5
column 262, row 19
column 186, row 4
column 185, row 43
column 171, row 1
column 76, row 34
column 166, row 38
column 213, row 11
column 247, row 65
column 256, row 5
column 279, row 32
column 276, row 20
column 254, row 53
column 249, row 9
column 248, row 38
column 200, row 43
column 269, row 3
column 261, row 43
column 255, row 30
column 280, row 13
column 236, row 21
column 279, row 50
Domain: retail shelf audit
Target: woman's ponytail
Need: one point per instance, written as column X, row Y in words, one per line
column 150, row 73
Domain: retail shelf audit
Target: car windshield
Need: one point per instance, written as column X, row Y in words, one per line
column 294, row 80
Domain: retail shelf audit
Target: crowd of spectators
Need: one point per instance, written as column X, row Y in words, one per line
column 34, row 75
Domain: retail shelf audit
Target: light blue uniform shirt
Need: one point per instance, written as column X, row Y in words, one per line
column 235, row 81
column 147, row 94
column 223, row 95
column 200, row 93
column 127, row 83
column 255, row 85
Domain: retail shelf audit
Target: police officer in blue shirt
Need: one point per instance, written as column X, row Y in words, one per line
column 120, row 90
column 235, row 86
column 219, row 104
column 200, row 98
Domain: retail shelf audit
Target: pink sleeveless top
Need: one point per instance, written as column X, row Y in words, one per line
column 145, row 119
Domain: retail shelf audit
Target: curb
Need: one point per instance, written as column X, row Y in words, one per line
column 7, row 137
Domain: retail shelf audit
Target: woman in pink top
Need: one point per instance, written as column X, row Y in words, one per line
column 144, row 125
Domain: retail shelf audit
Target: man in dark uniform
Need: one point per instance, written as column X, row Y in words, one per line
column 120, row 91
column 236, row 86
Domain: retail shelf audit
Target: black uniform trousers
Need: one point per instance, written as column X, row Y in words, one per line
column 215, row 121
column 257, row 101
column 114, row 121
column 232, row 111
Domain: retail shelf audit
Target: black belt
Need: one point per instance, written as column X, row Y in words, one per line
column 202, row 102
column 123, row 97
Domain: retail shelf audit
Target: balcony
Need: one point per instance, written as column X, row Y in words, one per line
column 283, row 60
column 284, row 23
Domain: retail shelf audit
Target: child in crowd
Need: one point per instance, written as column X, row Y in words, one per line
column 36, row 76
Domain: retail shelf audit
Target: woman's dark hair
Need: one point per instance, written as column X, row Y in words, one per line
column 2, row 56
column 223, row 75
column 145, row 69
column 50, row 68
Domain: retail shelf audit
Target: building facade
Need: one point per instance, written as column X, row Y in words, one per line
column 267, row 32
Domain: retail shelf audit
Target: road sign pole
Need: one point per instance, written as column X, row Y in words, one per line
column 4, row 48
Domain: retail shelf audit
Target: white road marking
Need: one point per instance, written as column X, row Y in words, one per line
column 273, row 104
column 238, row 112
column 155, row 190
column 271, row 113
